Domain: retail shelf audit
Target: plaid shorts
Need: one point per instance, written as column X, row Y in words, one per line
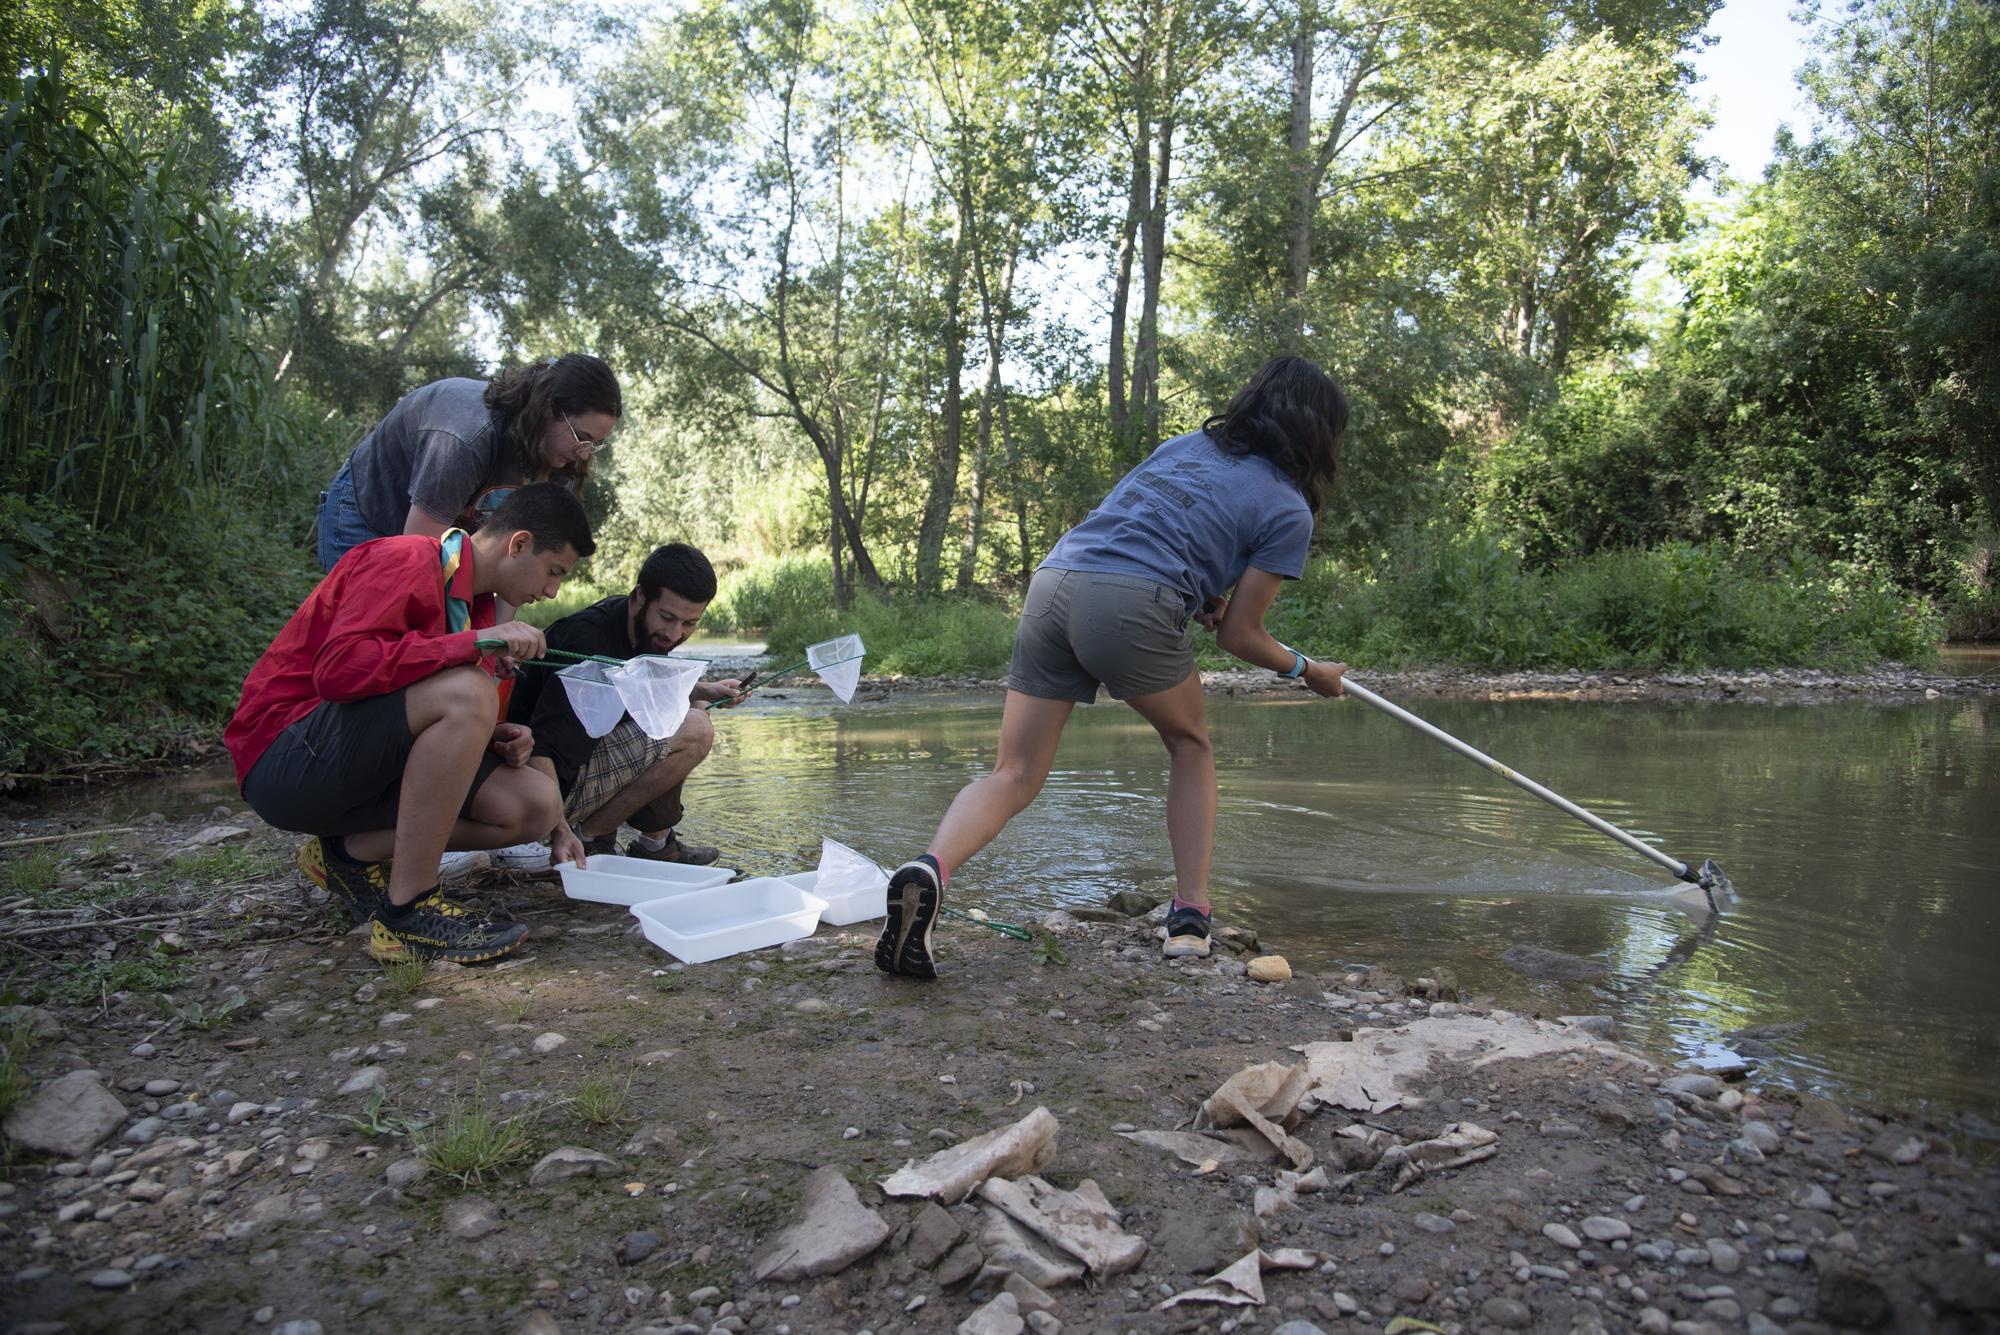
column 622, row 755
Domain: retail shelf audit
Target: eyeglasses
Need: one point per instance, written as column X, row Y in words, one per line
column 585, row 446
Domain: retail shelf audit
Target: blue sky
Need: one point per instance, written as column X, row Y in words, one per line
column 1748, row 76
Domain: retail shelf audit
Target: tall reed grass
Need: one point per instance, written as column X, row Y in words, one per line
column 133, row 382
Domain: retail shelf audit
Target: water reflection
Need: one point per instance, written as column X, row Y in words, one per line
column 1861, row 837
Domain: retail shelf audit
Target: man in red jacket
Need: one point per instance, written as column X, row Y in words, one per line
column 372, row 723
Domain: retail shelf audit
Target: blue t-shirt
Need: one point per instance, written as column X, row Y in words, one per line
column 1193, row 516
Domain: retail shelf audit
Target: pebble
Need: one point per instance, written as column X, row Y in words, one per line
column 161, row 1088
column 1700, row 1086
column 1763, row 1135
column 1603, row 1228
column 144, row 1131
column 1506, row 1313
column 1724, row 1257
column 1431, row 1223
column 111, row 1279
column 1813, row 1196
column 549, row 1042
column 305, row 1327
column 1561, row 1236
column 243, row 1112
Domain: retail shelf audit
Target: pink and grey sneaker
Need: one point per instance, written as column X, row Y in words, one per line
column 916, row 894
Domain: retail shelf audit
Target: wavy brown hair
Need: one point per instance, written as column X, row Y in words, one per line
column 1293, row 414
column 528, row 398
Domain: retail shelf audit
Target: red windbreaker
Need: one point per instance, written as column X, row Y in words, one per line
column 374, row 625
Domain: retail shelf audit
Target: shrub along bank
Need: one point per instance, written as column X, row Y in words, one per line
column 1459, row 599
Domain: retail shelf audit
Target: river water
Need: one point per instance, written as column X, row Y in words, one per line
column 1863, row 839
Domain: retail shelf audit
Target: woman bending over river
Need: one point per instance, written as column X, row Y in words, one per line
column 448, row 453
column 1230, row 506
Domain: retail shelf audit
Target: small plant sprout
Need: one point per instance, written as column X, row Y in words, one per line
column 197, row 1016
column 373, row 1122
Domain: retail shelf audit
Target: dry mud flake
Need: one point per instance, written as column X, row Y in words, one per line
column 1082, row 1222
column 1242, row 1283
column 1374, row 1072
column 1265, row 1097
column 1200, row 1149
column 834, row 1231
column 68, row 1117
column 951, row 1175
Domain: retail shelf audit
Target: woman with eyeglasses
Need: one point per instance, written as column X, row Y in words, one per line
column 447, row 454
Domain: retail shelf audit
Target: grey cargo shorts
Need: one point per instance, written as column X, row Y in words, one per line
column 1081, row 629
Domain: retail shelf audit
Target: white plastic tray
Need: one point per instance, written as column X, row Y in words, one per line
column 612, row 879
column 702, row 925
column 842, row 910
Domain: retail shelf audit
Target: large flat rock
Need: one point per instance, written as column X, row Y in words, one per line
column 68, row 1117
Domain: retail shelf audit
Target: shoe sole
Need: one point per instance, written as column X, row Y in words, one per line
column 389, row 948
column 904, row 948
column 1186, row 947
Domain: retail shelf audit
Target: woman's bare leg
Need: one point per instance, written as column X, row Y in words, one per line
column 1180, row 715
column 1030, row 728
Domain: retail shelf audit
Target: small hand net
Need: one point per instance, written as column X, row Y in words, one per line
column 838, row 663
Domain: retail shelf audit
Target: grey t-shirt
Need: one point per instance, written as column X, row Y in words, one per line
column 1193, row 516
column 438, row 449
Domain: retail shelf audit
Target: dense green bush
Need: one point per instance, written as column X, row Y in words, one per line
column 772, row 593
column 1464, row 598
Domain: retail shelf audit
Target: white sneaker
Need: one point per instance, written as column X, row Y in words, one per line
column 520, row 857
column 452, row 866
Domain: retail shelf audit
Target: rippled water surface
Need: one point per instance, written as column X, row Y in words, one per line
column 1864, row 841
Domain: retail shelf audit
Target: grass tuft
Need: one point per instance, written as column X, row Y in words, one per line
column 402, row 978
column 473, row 1138
column 602, row 1101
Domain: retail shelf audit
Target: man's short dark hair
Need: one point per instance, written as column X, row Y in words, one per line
column 551, row 512
column 679, row 569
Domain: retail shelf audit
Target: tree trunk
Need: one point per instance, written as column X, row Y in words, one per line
column 1305, row 179
column 943, row 492
column 1146, row 356
column 1121, row 291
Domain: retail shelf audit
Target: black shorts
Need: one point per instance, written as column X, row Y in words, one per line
column 339, row 770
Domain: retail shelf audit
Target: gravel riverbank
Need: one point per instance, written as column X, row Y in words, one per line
column 714, row 1148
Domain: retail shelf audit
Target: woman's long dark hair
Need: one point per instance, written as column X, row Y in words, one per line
column 1293, row 414
column 528, row 398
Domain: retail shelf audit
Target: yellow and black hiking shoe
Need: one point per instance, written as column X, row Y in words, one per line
column 358, row 887
column 915, row 895
column 435, row 928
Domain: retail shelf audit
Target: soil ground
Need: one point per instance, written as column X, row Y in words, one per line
column 247, row 1192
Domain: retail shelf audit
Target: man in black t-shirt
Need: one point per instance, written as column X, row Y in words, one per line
column 625, row 775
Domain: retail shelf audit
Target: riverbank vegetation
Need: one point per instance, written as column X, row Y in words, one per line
column 898, row 291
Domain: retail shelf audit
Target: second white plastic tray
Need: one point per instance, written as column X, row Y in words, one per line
column 702, row 925
column 612, row 879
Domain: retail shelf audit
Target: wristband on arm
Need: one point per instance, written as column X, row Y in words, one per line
column 1299, row 662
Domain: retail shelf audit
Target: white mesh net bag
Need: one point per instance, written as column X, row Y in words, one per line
column 655, row 690
column 596, row 700
column 838, row 663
